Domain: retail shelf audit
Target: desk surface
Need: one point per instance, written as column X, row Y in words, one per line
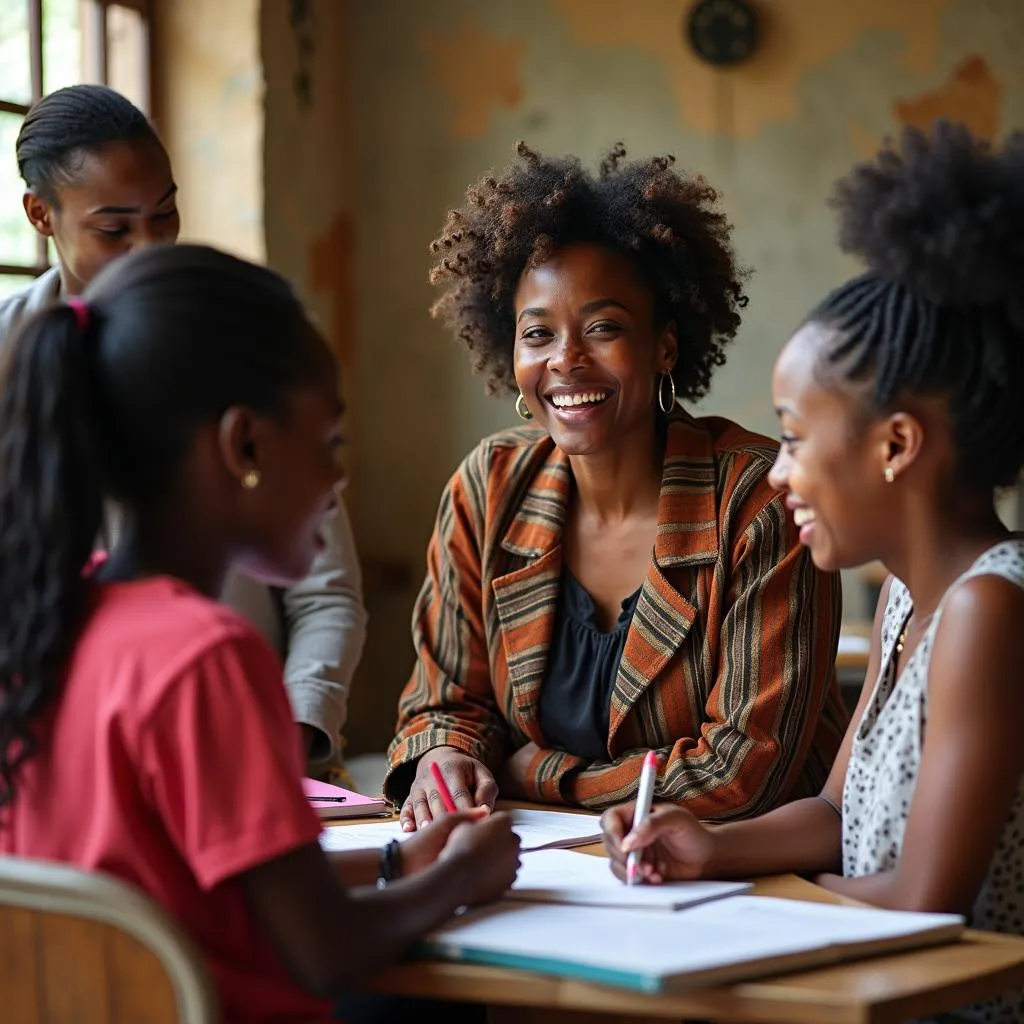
column 878, row 990
column 854, row 660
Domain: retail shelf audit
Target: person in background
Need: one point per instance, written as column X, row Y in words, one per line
column 900, row 404
column 98, row 183
column 617, row 575
column 191, row 387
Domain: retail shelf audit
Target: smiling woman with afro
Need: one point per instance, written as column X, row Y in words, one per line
column 616, row 576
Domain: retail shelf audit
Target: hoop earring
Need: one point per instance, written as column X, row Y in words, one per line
column 251, row 479
column 666, row 408
column 521, row 408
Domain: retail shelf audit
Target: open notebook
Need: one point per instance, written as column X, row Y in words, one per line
column 561, row 876
column 537, row 830
column 333, row 802
column 715, row 943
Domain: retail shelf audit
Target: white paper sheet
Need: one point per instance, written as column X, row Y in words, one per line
column 850, row 643
column 547, row 830
column 536, row 829
column 561, row 876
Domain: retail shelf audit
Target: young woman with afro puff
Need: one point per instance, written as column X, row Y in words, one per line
column 900, row 403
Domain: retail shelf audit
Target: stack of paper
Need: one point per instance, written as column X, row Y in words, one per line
column 714, row 934
column 715, row 943
column 537, row 830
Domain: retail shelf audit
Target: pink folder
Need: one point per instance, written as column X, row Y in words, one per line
column 342, row 803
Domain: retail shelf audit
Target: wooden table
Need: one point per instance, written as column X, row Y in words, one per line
column 880, row 990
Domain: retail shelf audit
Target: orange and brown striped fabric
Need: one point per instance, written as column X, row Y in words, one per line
column 728, row 667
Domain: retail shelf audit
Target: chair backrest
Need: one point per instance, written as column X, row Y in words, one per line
column 84, row 947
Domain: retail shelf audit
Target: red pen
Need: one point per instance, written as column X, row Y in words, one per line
column 442, row 788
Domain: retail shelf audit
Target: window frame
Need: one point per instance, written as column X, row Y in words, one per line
column 95, row 33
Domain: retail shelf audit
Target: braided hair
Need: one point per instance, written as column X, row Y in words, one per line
column 68, row 124
column 940, row 222
column 667, row 224
column 104, row 399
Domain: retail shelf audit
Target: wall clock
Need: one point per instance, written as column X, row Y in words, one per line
column 722, row 32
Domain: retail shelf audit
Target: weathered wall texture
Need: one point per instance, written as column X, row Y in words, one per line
column 409, row 102
column 208, row 98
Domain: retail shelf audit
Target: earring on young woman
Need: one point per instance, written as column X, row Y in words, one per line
column 522, row 410
column 251, row 479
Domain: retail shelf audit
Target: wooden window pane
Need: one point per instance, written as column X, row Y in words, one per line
column 62, row 44
column 17, row 238
column 127, row 52
column 15, row 66
column 93, row 24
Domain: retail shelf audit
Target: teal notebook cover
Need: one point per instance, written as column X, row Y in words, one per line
column 428, row 950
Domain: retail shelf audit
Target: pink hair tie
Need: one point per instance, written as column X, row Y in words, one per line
column 81, row 311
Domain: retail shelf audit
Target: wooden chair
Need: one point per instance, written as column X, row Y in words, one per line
column 82, row 947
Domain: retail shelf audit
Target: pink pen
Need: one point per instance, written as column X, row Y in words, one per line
column 442, row 788
column 643, row 808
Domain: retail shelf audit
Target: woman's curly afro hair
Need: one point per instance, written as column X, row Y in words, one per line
column 666, row 222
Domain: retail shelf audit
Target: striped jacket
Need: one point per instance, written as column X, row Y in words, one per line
column 728, row 666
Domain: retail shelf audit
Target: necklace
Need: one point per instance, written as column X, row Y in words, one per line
column 901, row 640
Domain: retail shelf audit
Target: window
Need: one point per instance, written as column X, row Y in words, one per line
column 46, row 45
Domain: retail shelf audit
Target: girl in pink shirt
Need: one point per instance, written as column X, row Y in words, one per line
column 190, row 387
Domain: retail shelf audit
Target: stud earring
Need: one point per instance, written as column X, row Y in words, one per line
column 889, row 475
column 521, row 408
column 251, row 479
